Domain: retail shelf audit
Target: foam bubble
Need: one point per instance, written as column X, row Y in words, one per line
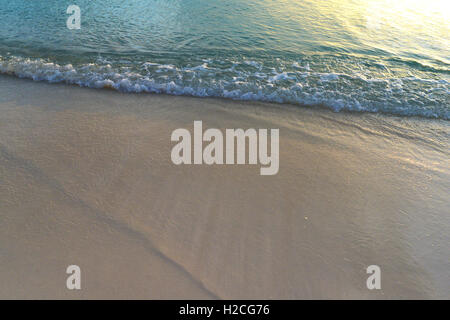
column 249, row 80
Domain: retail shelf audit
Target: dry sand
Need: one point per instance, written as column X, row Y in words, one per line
column 86, row 179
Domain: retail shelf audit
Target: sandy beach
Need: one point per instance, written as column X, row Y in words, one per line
column 86, row 179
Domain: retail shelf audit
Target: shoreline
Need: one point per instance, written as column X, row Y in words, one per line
column 86, row 179
column 296, row 104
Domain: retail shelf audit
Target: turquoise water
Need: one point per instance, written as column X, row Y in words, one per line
column 373, row 55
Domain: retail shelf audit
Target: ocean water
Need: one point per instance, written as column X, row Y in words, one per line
column 361, row 55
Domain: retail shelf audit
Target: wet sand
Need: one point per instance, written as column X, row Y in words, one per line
column 86, row 178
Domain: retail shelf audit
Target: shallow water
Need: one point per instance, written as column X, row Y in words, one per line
column 375, row 55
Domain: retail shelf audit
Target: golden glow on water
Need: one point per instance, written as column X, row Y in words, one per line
column 376, row 55
column 410, row 13
column 390, row 25
column 417, row 27
column 402, row 24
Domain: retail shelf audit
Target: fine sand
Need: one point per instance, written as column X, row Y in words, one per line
column 86, row 178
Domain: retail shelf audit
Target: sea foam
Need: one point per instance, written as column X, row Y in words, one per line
column 249, row 80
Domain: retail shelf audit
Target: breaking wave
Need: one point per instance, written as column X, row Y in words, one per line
column 294, row 82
